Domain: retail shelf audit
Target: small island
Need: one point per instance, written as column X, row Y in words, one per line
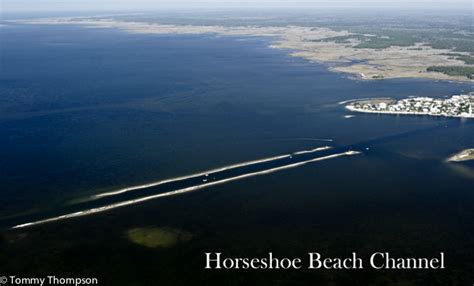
column 456, row 106
column 465, row 155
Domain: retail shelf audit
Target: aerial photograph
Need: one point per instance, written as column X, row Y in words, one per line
column 237, row 142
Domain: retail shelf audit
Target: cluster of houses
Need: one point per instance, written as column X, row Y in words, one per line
column 458, row 106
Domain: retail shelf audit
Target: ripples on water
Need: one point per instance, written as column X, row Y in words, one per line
column 110, row 109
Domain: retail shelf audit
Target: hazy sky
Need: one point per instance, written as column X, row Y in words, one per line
column 140, row 5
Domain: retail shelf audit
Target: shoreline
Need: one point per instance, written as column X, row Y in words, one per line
column 394, row 62
column 354, row 109
column 464, row 155
column 457, row 106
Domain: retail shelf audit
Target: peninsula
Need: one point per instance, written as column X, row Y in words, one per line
column 465, row 155
column 456, row 106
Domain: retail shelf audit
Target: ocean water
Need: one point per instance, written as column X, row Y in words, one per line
column 85, row 111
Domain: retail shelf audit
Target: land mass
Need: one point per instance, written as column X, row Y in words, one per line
column 465, row 155
column 456, row 106
column 367, row 56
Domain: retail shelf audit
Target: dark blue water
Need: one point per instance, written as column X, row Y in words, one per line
column 84, row 111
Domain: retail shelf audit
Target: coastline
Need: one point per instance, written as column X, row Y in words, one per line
column 354, row 109
column 458, row 106
column 309, row 43
column 464, row 155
